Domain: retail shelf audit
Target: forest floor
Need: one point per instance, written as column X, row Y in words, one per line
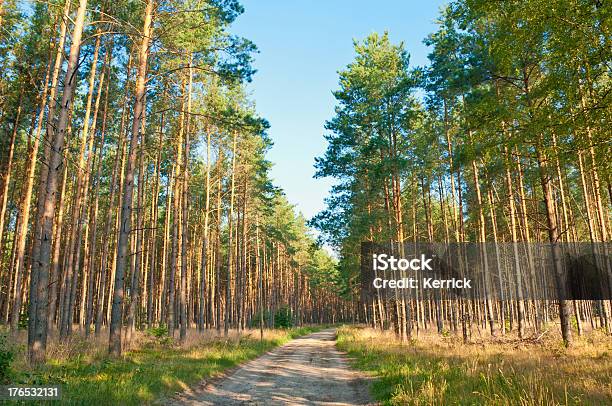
column 153, row 370
column 306, row 371
column 436, row 370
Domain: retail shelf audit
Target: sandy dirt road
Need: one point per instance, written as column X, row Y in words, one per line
column 306, row 371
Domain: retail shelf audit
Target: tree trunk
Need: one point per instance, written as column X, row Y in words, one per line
column 553, row 236
column 185, row 218
column 228, row 290
column 128, row 187
column 40, row 274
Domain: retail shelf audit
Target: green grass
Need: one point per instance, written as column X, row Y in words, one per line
column 425, row 373
column 148, row 374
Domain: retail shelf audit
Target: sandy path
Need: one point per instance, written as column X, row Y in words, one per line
column 306, row 371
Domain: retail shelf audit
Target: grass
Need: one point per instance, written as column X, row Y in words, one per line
column 149, row 373
column 442, row 371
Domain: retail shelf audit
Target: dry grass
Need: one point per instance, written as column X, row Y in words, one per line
column 92, row 347
column 147, row 372
column 497, row 371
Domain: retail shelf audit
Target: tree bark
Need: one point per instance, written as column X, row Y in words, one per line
column 40, row 274
column 128, row 187
column 228, row 290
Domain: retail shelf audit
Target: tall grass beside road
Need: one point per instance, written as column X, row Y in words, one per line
column 440, row 370
column 154, row 369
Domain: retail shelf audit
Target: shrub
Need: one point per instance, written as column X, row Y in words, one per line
column 282, row 317
column 574, row 323
column 159, row 334
column 23, row 321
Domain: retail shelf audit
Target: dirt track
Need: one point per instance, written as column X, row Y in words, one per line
column 306, row 371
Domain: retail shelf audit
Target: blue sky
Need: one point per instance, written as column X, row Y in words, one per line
column 302, row 46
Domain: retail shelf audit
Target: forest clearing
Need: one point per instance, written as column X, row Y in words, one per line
column 146, row 244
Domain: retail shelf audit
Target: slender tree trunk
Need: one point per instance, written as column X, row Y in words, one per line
column 483, row 238
column 204, row 265
column 228, row 291
column 77, row 209
column 128, row 187
column 176, row 209
column 44, row 167
column 94, row 227
column 516, row 257
column 111, row 203
column 218, row 245
column 57, row 237
column 135, row 286
column 185, row 218
column 154, row 221
column 553, row 235
column 40, row 274
column 6, row 179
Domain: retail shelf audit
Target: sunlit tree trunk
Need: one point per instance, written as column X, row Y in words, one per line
column 128, row 186
column 230, row 244
column 39, row 279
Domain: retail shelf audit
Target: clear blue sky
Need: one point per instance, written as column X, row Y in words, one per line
column 302, row 46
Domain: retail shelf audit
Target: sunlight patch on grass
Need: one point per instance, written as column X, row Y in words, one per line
column 434, row 371
column 143, row 376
